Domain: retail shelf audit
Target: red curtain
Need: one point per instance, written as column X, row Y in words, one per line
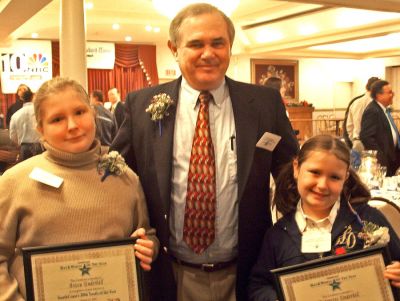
column 135, row 68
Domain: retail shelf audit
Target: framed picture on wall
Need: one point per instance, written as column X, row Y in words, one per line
column 286, row 70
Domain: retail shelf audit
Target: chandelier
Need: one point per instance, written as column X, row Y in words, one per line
column 170, row 8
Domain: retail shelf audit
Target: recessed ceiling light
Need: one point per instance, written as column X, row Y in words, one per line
column 148, row 27
column 156, row 29
column 89, row 5
column 268, row 35
column 165, row 8
column 307, row 29
column 390, row 41
column 116, row 26
column 34, row 35
column 356, row 17
column 128, row 38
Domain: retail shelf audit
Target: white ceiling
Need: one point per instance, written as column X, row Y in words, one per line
column 257, row 23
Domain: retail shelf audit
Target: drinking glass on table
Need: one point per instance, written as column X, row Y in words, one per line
column 381, row 174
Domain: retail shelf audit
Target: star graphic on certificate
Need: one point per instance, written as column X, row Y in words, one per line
column 85, row 270
column 335, row 285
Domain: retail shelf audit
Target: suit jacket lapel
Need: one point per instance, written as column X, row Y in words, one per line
column 163, row 145
column 246, row 124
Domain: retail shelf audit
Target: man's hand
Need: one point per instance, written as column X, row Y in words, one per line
column 358, row 146
column 144, row 249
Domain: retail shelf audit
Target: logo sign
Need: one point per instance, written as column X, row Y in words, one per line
column 100, row 55
column 25, row 62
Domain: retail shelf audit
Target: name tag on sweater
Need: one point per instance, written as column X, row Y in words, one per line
column 45, row 177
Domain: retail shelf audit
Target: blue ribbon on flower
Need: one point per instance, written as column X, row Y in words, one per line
column 106, row 174
column 158, row 108
column 111, row 163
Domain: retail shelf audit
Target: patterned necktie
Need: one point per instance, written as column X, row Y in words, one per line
column 394, row 127
column 198, row 227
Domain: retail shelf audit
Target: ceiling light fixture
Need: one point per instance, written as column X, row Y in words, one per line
column 390, row 41
column 116, row 26
column 165, row 8
column 148, row 28
column 268, row 35
column 128, row 38
column 156, row 29
column 89, row 5
column 307, row 29
column 34, row 35
column 356, row 17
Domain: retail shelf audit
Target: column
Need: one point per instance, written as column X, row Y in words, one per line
column 73, row 41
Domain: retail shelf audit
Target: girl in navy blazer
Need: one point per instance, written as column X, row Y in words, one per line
column 322, row 199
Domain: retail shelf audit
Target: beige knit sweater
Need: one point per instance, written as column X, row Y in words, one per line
column 82, row 209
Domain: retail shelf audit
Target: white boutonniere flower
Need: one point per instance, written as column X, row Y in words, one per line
column 111, row 163
column 158, row 108
column 373, row 234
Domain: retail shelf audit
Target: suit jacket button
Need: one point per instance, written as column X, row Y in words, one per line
column 165, row 249
column 165, row 216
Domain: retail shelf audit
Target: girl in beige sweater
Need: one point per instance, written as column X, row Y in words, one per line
column 88, row 205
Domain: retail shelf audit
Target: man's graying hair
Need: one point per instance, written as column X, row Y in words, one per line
column 196, row 10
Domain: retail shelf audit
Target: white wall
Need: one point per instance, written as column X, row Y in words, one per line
column 166, row 64
column 318, row 78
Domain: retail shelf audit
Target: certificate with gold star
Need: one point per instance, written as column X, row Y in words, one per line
column 354, row 276
column 95, row 271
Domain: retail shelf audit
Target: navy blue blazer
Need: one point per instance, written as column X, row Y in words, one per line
column 282, row 246
column 256, row 110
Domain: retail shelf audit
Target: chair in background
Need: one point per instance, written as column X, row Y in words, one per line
column 389, row 209
column 325, row 125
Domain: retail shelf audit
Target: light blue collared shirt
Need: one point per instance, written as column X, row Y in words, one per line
column 23, row 125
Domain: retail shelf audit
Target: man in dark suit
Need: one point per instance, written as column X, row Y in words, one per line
column 378, row 130
column 106, row 125
column 244, row 123
column 22, row 88
column 353, row 115
column 117, row 107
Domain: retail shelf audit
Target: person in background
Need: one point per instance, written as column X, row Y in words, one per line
column 117, row 107
column 322, row 200
column 378, row 130
column 207, row 252
column 353, row 115
column 23, row 129
column 90, row 204
column 106, row 126
column 17, row 104
column 1, row 121
column 276, row 83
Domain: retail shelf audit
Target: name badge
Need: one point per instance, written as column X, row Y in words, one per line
column 315, row 242
column 45, row 177
column 268, row 141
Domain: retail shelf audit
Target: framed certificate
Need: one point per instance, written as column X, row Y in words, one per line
column 353, row 276
column 95, row 271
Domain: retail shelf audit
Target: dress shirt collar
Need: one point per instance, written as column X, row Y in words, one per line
column 27, row 104
column 115, row 105
column 382, row 106
column 192, row 95
column 303, row 220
